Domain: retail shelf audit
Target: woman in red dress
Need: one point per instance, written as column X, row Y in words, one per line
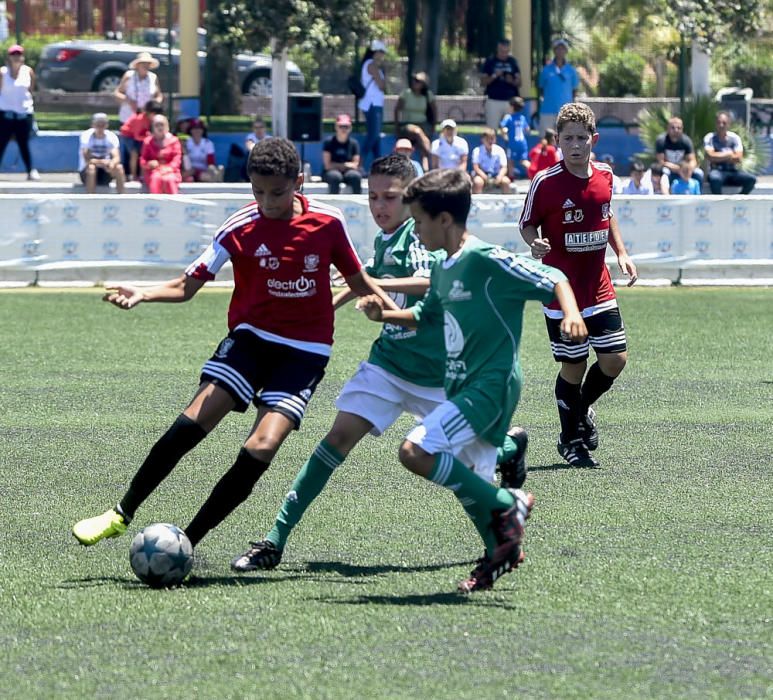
column 161, row 158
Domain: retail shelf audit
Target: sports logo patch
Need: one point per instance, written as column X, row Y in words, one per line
column 224, row 347
column 311, row 263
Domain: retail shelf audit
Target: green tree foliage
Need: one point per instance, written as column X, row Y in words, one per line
column 316, row 25
column 621, row 74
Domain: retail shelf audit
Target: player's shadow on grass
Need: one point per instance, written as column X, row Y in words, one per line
column 193, row 582
column 356, row 570
column 418, row 599
column 559, row 467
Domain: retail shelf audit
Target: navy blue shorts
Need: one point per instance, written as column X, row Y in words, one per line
column 254, row 370
column 606, row 334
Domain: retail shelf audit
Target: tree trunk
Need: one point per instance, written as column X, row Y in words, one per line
column 85, row 16
column 224, row 91
column 433, row 22
column 410, row 33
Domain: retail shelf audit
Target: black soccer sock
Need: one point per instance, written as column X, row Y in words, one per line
column 568, row 401
column 181, row 438
column 596, row 383
column 232, row 490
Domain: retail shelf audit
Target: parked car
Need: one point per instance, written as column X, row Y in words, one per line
column 97, row 66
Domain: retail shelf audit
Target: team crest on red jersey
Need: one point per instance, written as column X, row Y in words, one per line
column 311, row 263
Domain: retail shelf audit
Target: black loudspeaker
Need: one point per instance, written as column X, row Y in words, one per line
column 304, row 112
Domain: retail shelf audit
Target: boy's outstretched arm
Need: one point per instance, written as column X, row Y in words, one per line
column 362, row 284
column 373, row 307
column 414, row 286
column 127, row 296
column 572, row 324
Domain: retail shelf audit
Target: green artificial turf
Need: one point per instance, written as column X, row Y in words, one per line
column 647, row 578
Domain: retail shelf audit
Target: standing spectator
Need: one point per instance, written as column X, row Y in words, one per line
column 617, row 183
column 99, row 156
column 257, row 134
column 637, row 184
column 341, row 158
column 373, row 79
column 17, row 82
column 200, row 153
column 673, row 147
column 161, row 158
column 404, row 147
column 449, row 151
column 685, row 184
column 558, row 83
column 416, row 114
column 501, row 77
column 544, row 154
column 661, row 184
column 515, row 126
column 489, row 165
column 724, row 152
column 138, row 85
column 134, row 131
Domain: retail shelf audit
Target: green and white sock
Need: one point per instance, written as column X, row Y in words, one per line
column 508, row 450
column 307, row 486
column 477, row 496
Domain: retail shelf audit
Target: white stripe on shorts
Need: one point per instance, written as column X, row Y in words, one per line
column 231, row 377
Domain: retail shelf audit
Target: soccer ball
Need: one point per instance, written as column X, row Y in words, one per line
column 161, row 555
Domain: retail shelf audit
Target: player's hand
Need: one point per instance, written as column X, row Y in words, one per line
column 372, row 306
column 540, row 247
column 573, row 327
column 628, row 268
column 123, row 296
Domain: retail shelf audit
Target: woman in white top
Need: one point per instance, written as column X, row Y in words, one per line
column 138, row 86
column 17, row 81
column 199, row 156
column 373, row 79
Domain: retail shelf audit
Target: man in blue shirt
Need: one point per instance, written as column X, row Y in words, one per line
column 558, row 83
column 501, row 77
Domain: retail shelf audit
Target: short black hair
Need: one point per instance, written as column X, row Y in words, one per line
column 154, row 107
column 442, row 191
column 656, row 169
column 517, row 102
column 637, row 166
column 274, row 156
column 394, row 165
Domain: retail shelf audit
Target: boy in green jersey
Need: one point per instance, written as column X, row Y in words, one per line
column 477, row 296
column 401, row 375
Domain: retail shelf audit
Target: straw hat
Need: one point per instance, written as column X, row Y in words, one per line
column 144, row 57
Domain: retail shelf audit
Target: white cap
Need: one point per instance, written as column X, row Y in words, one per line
column 448, row 122
column 377, row 45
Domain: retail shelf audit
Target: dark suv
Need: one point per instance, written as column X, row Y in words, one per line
column 97, row 66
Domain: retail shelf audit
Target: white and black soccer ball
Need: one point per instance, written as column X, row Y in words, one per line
column 161, row 555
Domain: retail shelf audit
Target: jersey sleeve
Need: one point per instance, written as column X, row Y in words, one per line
column 521, row 277
column 343, row 254
column 428, row 311
column 476, row 155
column 420, row 260
column 208, row 264
column 531, row 214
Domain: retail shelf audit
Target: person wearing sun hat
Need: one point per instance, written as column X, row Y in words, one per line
column 449, row 150
column 17, row 82
column 373, row 79
column 138, row 85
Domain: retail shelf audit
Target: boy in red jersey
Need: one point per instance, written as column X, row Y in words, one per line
column 570, row 204
column 280, row 324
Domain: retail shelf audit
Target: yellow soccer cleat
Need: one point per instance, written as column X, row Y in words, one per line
column 91, row 530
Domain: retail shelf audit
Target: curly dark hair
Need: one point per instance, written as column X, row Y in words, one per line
column 274, row 156
column 394, row 165
column 442, row 190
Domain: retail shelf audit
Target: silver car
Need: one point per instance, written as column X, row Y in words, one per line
column 97, row 66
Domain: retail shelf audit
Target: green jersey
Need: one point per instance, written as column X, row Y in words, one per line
column 399, row 350
column 478, row 295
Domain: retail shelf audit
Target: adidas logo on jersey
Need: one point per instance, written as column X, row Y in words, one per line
column 568, row 204
column 262, row 251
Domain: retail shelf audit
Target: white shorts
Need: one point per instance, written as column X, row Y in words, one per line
column 447, row 430
column 381, row 398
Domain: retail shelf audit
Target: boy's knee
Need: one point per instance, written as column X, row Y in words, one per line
column 613, row 364
column 410, row 456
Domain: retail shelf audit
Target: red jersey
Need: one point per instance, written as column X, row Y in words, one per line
column 282, row 272
column 137, row 126
column 573, row 214
column 540, row 158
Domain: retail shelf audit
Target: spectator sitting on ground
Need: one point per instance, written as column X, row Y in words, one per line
column 489, row 165
column 199, row 156
column 674, row 146
column 405, row 148
column 416, row 114
column 515, row 126
column 99, row 156
column 661, row 183
column 685, row 184
column 724, row 152
column 135, row 130
column 449, row 151
column 341, row 158
column 161, row 158
column 544, row 154
column 257, row 134
column 637, row 184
